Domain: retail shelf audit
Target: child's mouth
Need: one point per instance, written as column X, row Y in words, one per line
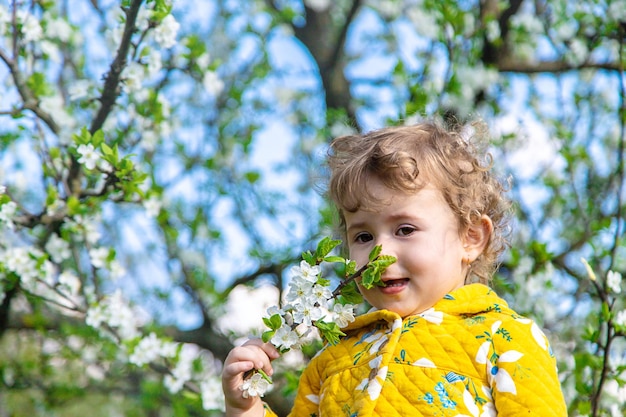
column 394, row 286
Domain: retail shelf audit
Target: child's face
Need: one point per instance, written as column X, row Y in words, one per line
column 421, row 231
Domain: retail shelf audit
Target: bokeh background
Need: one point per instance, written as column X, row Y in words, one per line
column 162, row 168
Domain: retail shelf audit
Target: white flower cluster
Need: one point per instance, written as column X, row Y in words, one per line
column 25, row 263
column 193, row 364
column 114, row 313
column 7, row 214
column 151, row 348
column 614, row 281
column 114, row 316
column 309, row 309
column 308, row 300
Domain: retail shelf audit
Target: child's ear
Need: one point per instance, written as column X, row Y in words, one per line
column 477, row 237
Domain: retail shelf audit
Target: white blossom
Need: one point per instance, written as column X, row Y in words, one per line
column 578, row 52
column 59, row 29
column 50, row 50
column 165, row 33
column 318, row 5
column 7, row 213
column 306, row 271
column 89, row 157
column 143, row 18
column 620, row 319
column 99, row 257
column 182, row 372
column 566, row 30
column 390, row 9
column 343, row 314
column 617, row 10
column 117, row 270
column 84, row 228
column 211, row 393
column 153, row 62
column 285, row 338
column 614, row 281
column 153, row 206
column 113, row 34
column 96, row 316
column 255, row 386
column 133, row 76
column 203, row 60
column 306, row 313
column 528, row 21
column 20, row 261
column 31, row 29
column 340, row 129
column 493, row 30
column 425, row 22
column 320, row 294
column 299, row 289
column 78, row 89
column 149, row 140
column 55, row 208
column 5, row 18
column 148, row 350
column 115, row 312
column 55, row 107
column 58, row 248
column 212, row 83
column 70, row 282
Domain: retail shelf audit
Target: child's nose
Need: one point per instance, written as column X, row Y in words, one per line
column 388, row 246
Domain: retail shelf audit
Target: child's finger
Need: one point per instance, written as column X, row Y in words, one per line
column 235, row 369
column 268, row 348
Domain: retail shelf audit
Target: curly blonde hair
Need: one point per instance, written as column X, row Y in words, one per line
column 406, row 158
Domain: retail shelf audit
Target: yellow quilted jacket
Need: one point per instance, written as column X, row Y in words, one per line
column 469, row 355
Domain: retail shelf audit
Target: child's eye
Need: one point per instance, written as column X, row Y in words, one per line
column 362, row 238
column 405, row 230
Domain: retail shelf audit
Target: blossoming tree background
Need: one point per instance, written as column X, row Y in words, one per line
column 160, row 171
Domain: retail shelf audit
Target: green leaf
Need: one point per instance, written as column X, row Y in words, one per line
column 334, row 259
column 369, row 277
column 267, row 336
column 308, row 257
column 325, row 246
column 98, row 138
column 350, row 268
column 274, row 322
column 350, row 294
column 375, row 252
column 329, row 331
column 252, row 176
column 606, row 312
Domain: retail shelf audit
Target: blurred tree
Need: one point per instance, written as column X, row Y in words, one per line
column 157, row 157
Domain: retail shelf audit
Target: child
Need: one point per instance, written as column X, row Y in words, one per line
column 438, row 342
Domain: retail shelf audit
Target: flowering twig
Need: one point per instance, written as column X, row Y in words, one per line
column 313, row 306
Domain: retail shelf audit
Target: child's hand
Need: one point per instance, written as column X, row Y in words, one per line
column 254, row 354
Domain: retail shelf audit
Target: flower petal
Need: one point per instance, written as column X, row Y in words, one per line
column 483, row 351
column 510, row 356
column 540, row 338
column 424, row 363
column 504, row 382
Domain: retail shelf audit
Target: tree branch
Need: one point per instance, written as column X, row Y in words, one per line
column 110, row 91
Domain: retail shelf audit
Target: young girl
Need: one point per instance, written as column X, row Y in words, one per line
column 438, row 342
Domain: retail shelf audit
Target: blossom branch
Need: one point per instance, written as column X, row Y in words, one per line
column 309, row 305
